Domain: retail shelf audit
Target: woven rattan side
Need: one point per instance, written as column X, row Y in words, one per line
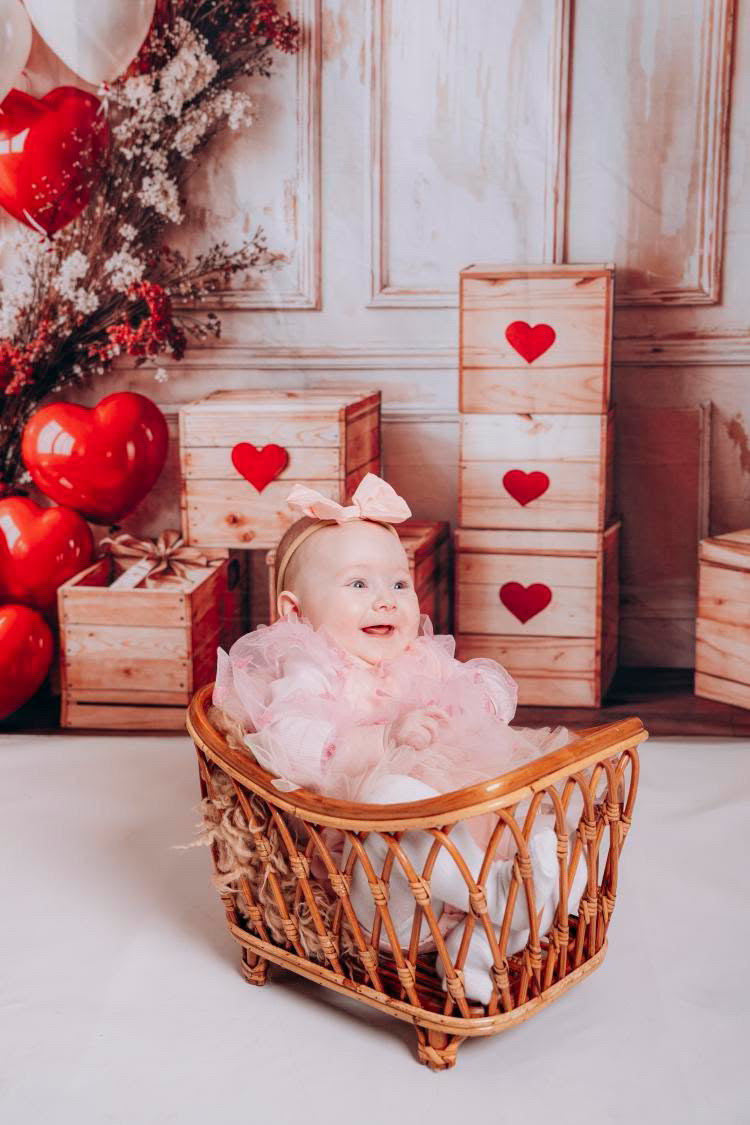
column 286, row 865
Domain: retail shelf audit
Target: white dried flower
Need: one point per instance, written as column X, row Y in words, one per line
column 236, row 106
column 159, row 192
column 72, row 269
column 160, row 375
column 128, row 232
column 124, row 269
column 84, row 300
column 189, row 72
column 138, row 91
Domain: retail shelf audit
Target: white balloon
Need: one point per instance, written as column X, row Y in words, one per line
column 15, row 43
column 98, row 39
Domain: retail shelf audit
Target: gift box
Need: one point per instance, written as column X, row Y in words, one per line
column 536, row 339
column 428, row 549
column 545, row 605
column 722, row 627
column 131, row 658
column 241, row 452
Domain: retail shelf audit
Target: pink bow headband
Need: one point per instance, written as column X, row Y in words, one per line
column 374, row 500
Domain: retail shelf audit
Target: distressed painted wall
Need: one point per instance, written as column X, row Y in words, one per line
column 410, row 139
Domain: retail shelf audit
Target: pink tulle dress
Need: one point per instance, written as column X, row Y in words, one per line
column 318, row 717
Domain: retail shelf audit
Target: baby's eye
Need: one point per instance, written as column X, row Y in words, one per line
column 358, row 584
column 401, row 585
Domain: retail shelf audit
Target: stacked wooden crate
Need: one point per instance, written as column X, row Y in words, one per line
column 536, row 546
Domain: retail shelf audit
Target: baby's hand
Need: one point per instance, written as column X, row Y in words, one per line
column 418, row 728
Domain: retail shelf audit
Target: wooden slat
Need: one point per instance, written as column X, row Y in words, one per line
column 361, row 440
column 208, row 462
column 722, row 650
column 100, row 606
column 144, row 698
column 562, row 573
column 570, row 613
column 126, row 657
column 724, row 691
column 233, row 514
column 561, row 544
column 121, row 717
column 724, row 595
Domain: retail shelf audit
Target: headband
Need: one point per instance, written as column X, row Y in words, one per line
column 373, row 500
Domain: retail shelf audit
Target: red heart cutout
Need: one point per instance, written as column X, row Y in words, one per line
column 52, row 150
column 40, row 548
column 259, row 466
column 524, row 602
column 25, row 656
column 100, row 461
column 525, row 487
column 530, row 342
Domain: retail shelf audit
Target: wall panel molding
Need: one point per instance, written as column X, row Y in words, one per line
column 306, row 294
column 384, row 294
column 716, row 46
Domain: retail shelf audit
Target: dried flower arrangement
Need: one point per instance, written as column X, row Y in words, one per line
column 106, row 284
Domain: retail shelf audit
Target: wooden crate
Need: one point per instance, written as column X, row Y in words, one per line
column 330, row 440
column 545, row 605
column 536, row 471
column 722, row 642
column 536, row 339
column 131, row 659
column 428, row 548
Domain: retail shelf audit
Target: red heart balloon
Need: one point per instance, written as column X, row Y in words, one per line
column 530, row 342
column 525, row 487
column 40, row 548
column 259, row 466
column 25, row 656
column 525, row 602
column 51, row 153
column 100, row 461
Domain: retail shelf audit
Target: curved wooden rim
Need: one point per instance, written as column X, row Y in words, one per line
column 507, row 789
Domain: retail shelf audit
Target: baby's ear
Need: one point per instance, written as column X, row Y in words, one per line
column 287, row 604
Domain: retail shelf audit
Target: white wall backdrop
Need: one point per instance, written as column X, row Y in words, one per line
column 412, row 137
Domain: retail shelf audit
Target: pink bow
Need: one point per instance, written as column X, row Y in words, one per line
column 374, row 499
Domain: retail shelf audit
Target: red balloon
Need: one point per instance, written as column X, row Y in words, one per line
column 51, row 154
column 40, row 548
column 100, row 461
column 25, row 656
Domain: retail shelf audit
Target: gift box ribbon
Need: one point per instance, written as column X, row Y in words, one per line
column 166, row 558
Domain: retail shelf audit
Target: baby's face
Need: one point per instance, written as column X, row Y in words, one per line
column 354, row 581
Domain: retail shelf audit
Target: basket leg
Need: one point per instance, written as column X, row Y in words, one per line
column 254, row 968
column 436, row 1049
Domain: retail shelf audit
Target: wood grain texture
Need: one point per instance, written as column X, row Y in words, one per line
column 564, row 655
column 572, row 376
column 573, row 450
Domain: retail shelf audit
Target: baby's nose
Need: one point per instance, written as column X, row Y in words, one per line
column 385, row 599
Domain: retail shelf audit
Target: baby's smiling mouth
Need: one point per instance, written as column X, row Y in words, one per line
column 378, row 630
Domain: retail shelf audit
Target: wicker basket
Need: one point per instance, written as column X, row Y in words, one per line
column 299, row 914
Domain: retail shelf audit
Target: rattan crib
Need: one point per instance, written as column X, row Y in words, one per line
column 306, row 923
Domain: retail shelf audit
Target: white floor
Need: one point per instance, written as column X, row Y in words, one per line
column 121, row 999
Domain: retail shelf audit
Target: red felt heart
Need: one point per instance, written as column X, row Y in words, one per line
column 525, row 487
column 52, row 150
column 25, row 656
column 259, row 466
column 100, row 461
column 530, row 342
column 40, row 548
column 525, row 602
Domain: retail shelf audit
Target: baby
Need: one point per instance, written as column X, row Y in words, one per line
column 350, row 694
